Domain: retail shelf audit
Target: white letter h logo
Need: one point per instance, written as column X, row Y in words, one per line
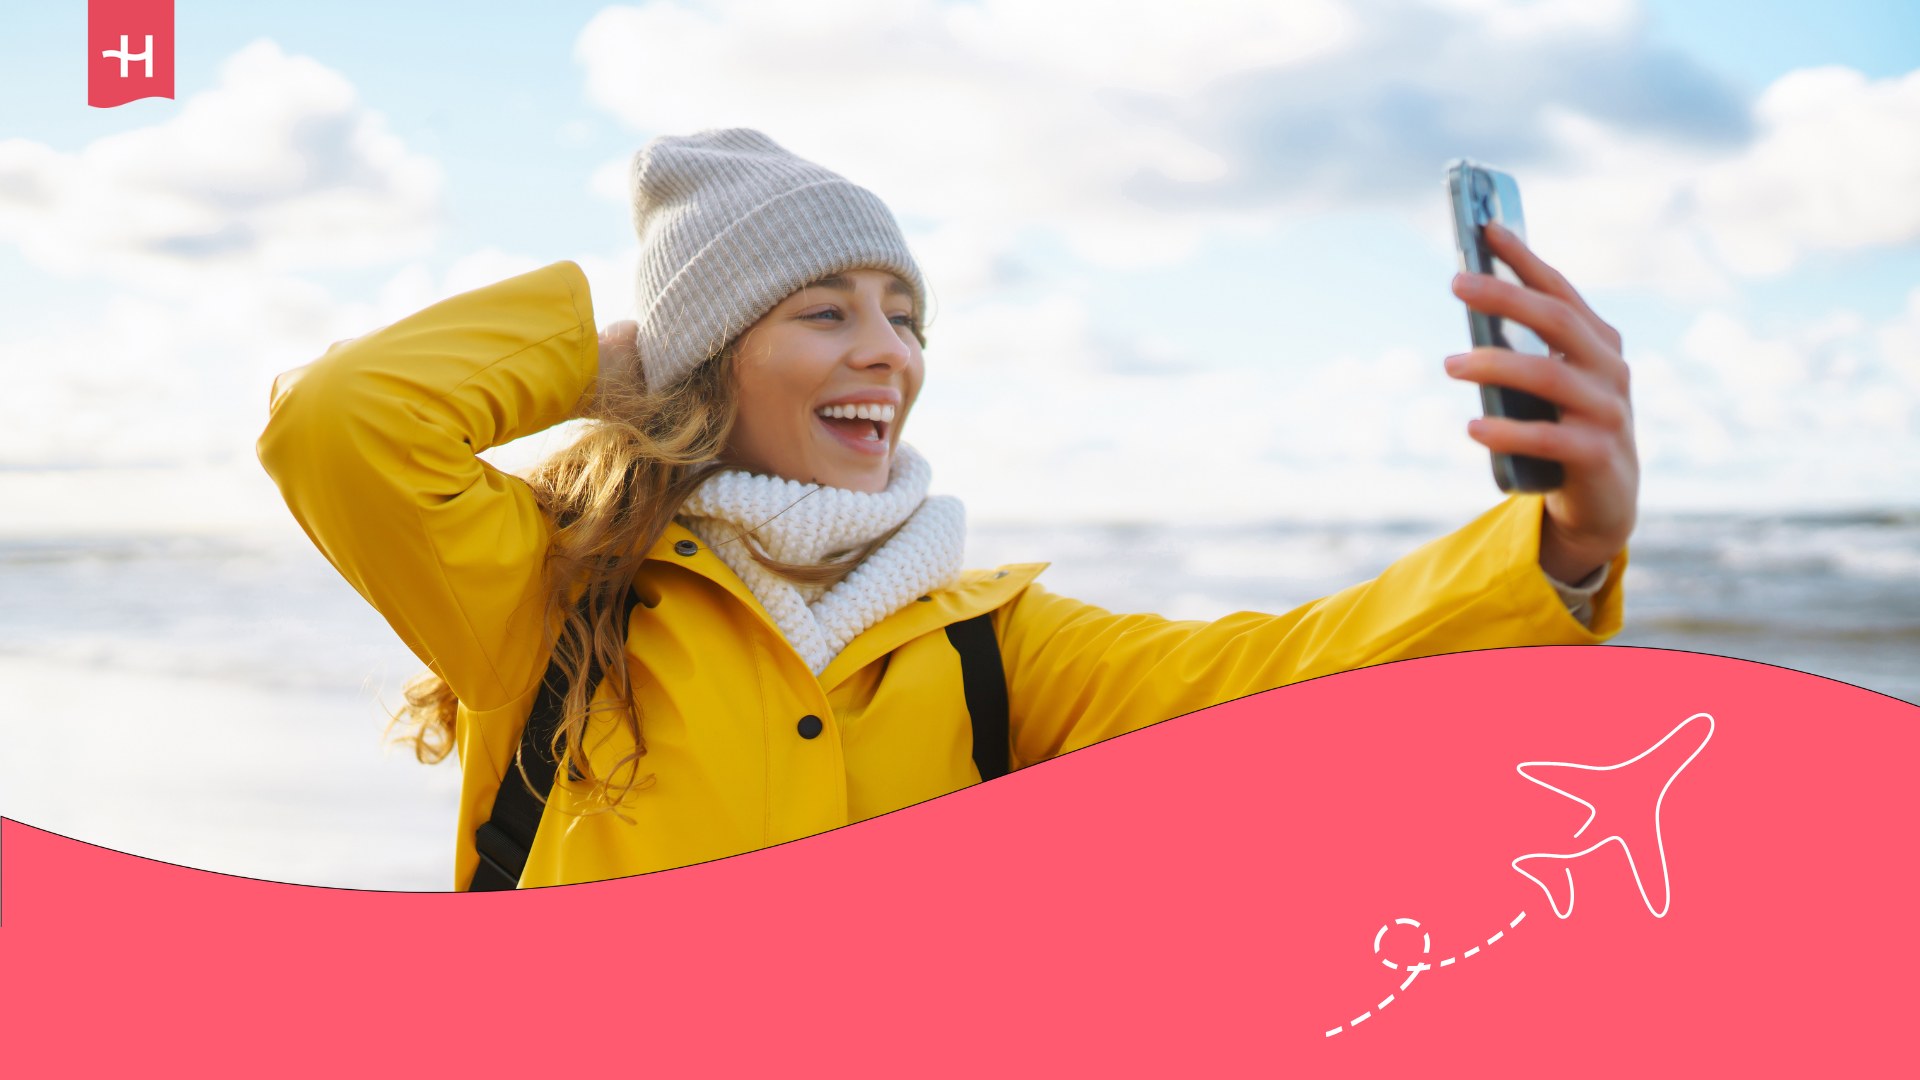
column 136, row 57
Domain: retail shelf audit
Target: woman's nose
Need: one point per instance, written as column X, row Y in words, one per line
column 877, row 344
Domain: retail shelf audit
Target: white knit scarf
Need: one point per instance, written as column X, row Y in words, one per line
column 821, row 521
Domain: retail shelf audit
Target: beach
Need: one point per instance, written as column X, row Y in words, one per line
column 219, row 700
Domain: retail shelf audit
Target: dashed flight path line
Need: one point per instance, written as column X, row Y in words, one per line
column 1415, row 969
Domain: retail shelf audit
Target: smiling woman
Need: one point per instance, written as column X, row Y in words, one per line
column 730, row 614
column 826, row 380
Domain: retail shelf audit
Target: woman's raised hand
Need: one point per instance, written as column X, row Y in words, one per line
column 1589, row 518
column 618, row 354
column 617, row 349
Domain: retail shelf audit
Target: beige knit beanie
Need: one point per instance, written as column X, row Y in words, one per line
column 730, row 224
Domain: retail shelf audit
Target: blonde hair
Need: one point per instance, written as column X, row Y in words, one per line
column 611, row 494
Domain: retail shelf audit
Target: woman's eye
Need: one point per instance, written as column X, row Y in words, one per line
column 831, row 314
column 902, row 320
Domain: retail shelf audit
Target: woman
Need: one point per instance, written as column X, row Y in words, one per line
column 743, row 545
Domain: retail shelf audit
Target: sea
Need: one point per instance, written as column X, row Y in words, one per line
column 221, row 701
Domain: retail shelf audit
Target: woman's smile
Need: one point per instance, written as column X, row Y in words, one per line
column 825, row 382
column 862, row 421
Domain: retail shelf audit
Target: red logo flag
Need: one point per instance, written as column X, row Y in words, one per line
column 129, row 51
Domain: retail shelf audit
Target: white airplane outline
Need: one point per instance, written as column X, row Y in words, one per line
column 1592, row 813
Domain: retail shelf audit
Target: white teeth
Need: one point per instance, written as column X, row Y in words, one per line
column 882, row 413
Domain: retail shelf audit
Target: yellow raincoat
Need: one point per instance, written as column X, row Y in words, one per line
column 374, row 446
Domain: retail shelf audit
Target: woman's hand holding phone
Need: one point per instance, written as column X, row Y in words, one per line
column 1590, row 516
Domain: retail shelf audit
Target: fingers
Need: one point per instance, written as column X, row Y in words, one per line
column 1591, row 515
column 1573, row 390
column 617, row 344
column 1580, row 448
column 1536, row 274
column 1557, row 322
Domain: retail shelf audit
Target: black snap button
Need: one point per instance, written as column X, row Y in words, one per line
column 810, row 727
column 685, row 547
column 925, row 599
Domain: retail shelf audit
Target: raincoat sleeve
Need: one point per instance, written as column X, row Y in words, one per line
column 374, row 448
column 1077, row 674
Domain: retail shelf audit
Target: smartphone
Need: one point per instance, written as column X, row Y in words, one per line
column 1479, row 195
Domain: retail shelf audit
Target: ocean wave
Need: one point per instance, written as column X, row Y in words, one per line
column 270, row 611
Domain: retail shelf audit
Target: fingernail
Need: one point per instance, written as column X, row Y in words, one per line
column 1454, row 364
column 1467, row 282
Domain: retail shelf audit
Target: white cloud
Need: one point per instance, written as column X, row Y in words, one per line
column 609, row 181
column 1837, row 165
column 1826, row 413
column 1134, row 134
column 182, row 380
column 414, row 287
column 1834, row 163
column 152, row 381
column 277, row 168
column 1096, row 431
column 1130, row 129
column 992, row 118
column 201, row 227
column 1899, row 342
column 987, row 125
column 196, row 231
column 1133, row 130
column 609, row 281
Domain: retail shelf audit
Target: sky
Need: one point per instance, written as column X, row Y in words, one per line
column 1189, row 261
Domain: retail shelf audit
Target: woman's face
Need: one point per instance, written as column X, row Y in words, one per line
column 825, row 381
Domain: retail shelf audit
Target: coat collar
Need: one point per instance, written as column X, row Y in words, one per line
column 976, row 593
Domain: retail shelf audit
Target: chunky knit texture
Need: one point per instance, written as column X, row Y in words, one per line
column 730, row 224
column 821, row 521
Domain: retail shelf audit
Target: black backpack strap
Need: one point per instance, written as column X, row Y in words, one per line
column 985, row 680
column 506, row 838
